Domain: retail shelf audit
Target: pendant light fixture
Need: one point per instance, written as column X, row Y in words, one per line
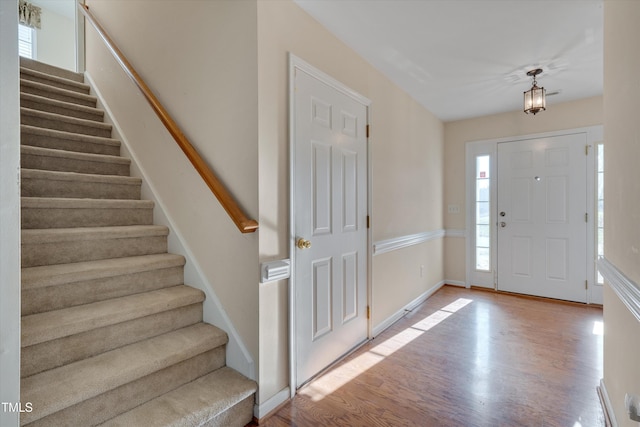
column 534, row 98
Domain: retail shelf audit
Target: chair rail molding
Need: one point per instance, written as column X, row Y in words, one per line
column 455, row 232
column 626, row 289
column 395, row 243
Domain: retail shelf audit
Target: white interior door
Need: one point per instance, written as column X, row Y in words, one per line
column 330, row 211
column 542, row 206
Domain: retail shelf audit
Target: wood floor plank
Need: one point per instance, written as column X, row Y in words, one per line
column 465, row 358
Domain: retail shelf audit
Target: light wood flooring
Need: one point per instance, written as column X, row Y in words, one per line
column 465, row 358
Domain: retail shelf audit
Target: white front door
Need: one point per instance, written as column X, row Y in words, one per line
column 329, row 180
column 542, row 206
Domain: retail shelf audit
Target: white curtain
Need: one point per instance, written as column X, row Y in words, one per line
column 28, row 14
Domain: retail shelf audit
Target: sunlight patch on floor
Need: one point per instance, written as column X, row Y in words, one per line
column 598, row 328
column 338, row 377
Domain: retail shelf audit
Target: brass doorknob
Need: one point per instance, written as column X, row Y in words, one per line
column 303, row 244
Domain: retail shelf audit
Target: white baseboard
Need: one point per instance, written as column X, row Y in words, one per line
column 607, row 408
column 263, row 409
column 382, row 326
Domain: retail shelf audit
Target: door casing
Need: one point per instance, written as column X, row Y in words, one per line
column 594, row 135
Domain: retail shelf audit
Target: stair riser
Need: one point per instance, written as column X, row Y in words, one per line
column 35, row 187
column 54, row 124
column 95, row 115
column 107, row 405
column 55, row 83
column 89, row 250
column 79, row 146
column 51, row 354
column 71, row 294
column 66, row 97
column 63, row 164
column 239, row 415
column 66, row 218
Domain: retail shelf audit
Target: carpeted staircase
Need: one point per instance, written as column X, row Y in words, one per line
column 110, row 334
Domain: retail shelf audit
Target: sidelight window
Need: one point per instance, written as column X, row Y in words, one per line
column 483, row 213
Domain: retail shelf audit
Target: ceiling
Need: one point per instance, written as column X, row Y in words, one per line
column 468, row 58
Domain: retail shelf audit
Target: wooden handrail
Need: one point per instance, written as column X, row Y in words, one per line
column 227, row 201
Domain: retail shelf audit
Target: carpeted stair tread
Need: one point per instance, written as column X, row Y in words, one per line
column 51, row 212
column 42, row 183
column 63, row 351
column 53, row 287
column 72, row 161
column 52, row 80
column 40, row 89
column 126, row 397
column 52, row 275
column 69, row 245
column 64, row 123
column 51, row 325
column 50, row 138
column 36, row 102
column 32, row 64
column 109, row 332
column 59, row 388
column 193, row 404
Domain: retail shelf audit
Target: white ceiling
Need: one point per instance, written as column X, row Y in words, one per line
column 469, row 58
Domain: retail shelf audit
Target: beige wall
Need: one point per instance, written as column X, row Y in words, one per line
column 622, row 202
column 201, row 60
column 56, row 40
column 568, row 115
column 406, row 160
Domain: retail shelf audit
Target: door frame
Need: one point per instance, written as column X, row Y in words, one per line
column 296, row 63
column 594, row 135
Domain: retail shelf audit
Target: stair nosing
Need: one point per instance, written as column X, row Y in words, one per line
column 53, row 77
column 50, row 235
column 48, row 88
column 75, row 155
column 63, row 104
column 71, row 75
column 82, row 177
column 55, row 324
column 58, row 274
column 114, row 368
column 45, row 115
column 74, row 203
column 61, row 134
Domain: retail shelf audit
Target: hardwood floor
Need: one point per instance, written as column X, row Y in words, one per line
column 465, row 358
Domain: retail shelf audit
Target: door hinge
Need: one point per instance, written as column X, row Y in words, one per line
column 586, row 150
column 368, row 222
column 368, row 312
column 367, row 131
column 586, row 217
column 586, row 284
